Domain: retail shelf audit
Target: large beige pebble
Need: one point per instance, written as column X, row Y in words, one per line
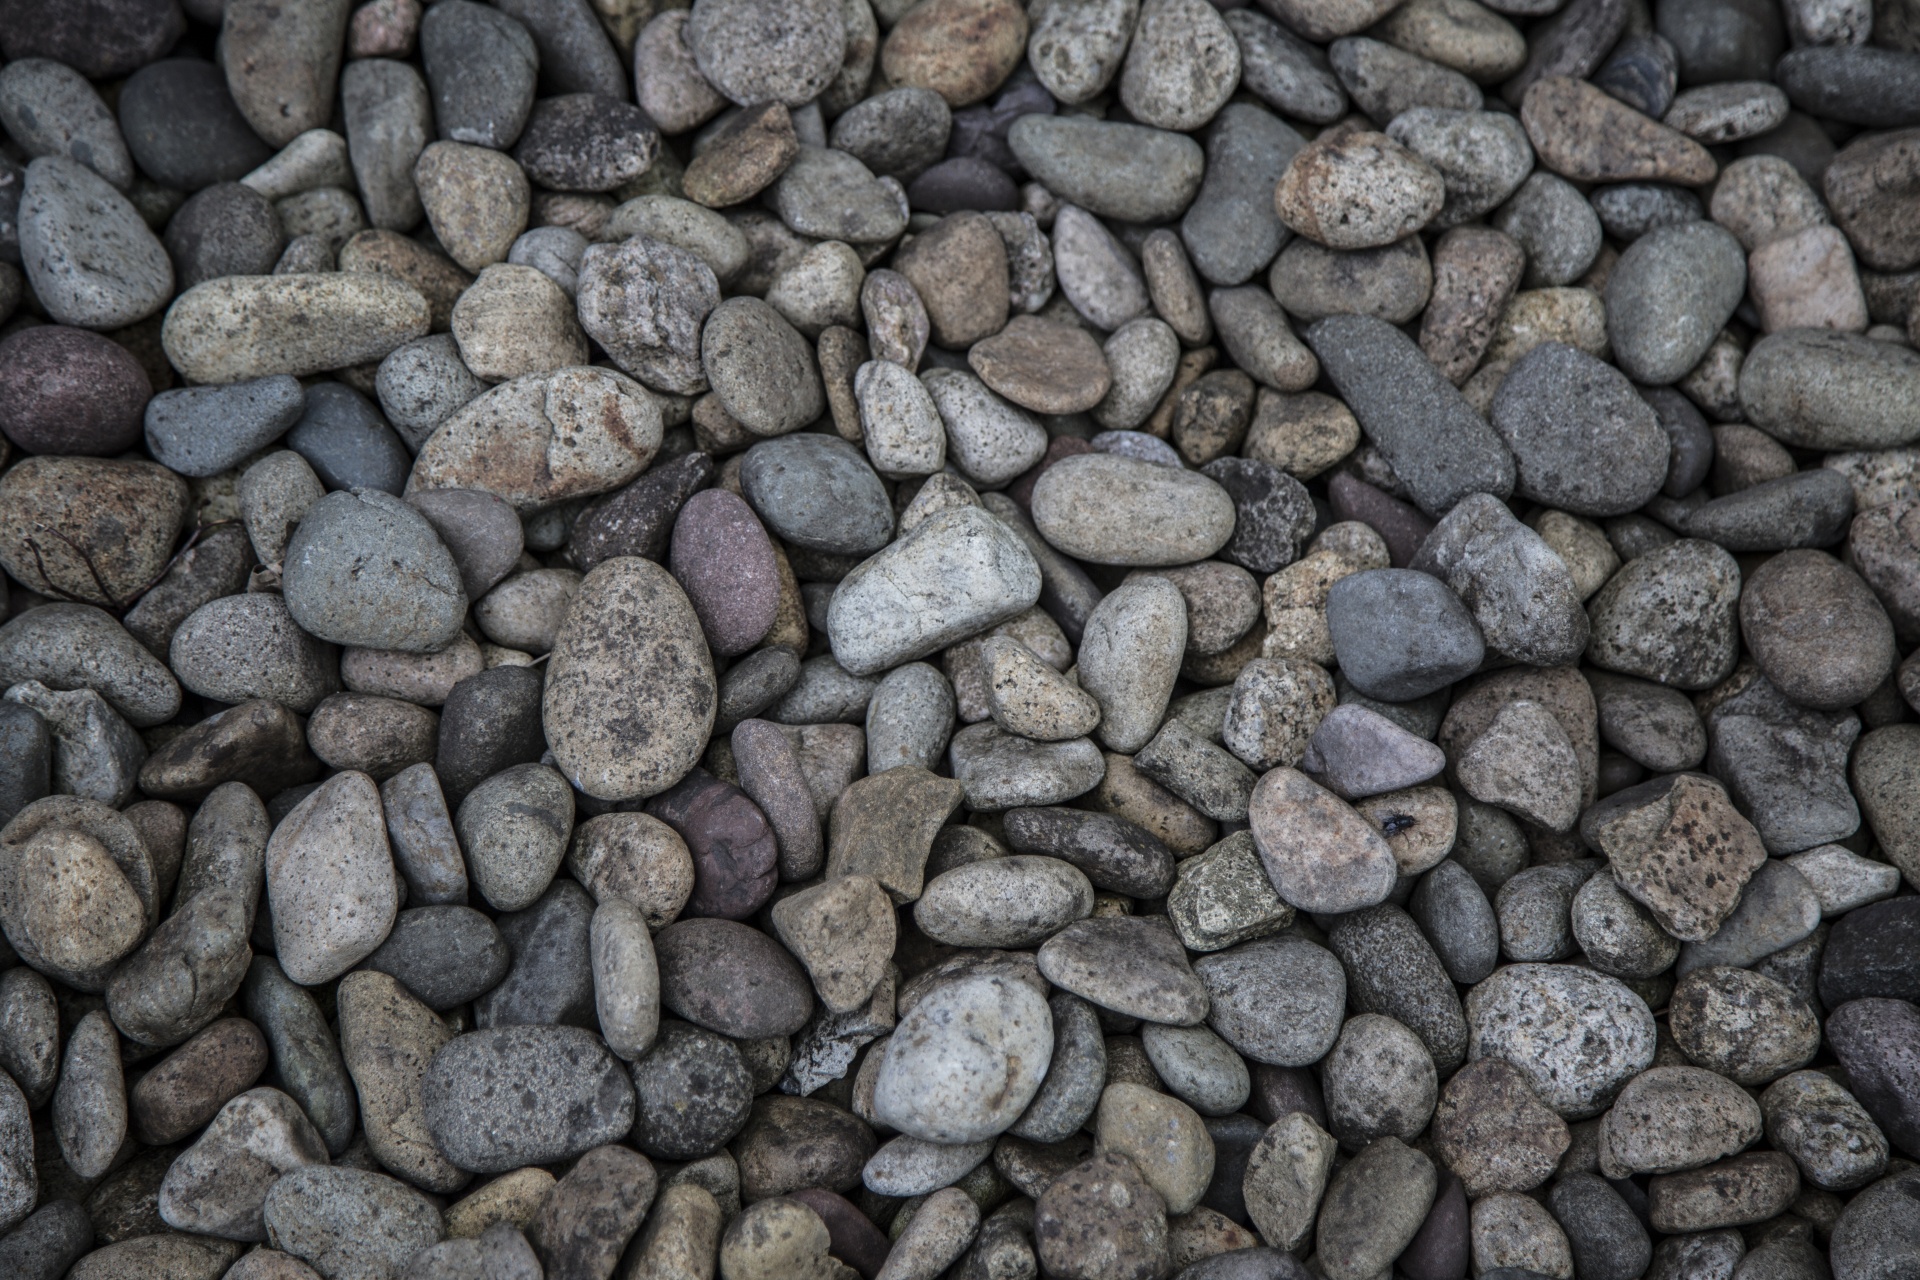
column 240, row 327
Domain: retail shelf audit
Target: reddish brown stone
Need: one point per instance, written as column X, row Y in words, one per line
column 193, row 1082
column 1401, row 526
column 70, row 391
column 735, row 857
column 723, row 559
column 851, row 1235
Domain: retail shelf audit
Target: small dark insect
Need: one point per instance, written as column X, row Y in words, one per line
column 1396, row 823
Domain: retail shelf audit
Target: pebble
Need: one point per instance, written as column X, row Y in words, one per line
column 583, row 1098
column 1112, row 169
column 1493, row 1130
column 481, row 66
column 959, row 1069
column 90, row 258
column 246, row 326
column 1665, row 298
column 1173, row 517
column 1669, row 616
column 1101, row 1218
column 1530, row 1014
column 1358, row 192
column 330, row 876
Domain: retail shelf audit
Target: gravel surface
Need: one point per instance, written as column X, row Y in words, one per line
column 960, row 640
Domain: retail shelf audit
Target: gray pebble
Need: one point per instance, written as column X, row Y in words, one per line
column 1286, row 72
column 445, row 955
column 1278, row 1000
column 985, row 573
column 1576, row 1035
column 389, row 120
column 1437, row 444
column 1126, row 171
column 1520, row 590
column 417, row 606
column 202, row 431
column 1230, row 230
column 342, row 436
column 1001, row 771
column 1482, row 156
column 1453, row 912
column 423, row 383
column 817, row 492
column 1401, row 634
column 1628, row 210
column 551, row 981
column 761, row 368
column 1668, row 297
column 349, row 1222
column 87, row 253
column 1557, row 227
column 514, row 827
column 1805, row 509
column 481, row 66
column 475, row 1090
column 1583, row 440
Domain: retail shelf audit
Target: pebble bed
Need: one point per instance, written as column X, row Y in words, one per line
column 893, row 639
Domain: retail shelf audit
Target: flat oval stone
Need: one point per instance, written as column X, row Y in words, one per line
column 206, row 943
column 1127, row 171
column 1046, row 367
column 415, row 604
column 760, row 366
column 1009, row 903
column 1668, row 297
column 500, row 1099
column 1583, row 133
column 966, row 1061
column 90, row 258
column 1132, row 966
column 819, row 492
column 544, row 438
column 1821, row 390
column 1111, row 509
column 756, row 51
column 723, row 559
column 1583, row 440
column 1438, row 445
column 69, row 391
column 349, row 1222
column 731, row 978
column 630, row 692
column 330, row 879
column 973, row 570
column 694, row 1093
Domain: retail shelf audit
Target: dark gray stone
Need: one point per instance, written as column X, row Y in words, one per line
column 1401, row 634
column 347, row 443
column 498, row 1099
column 445, row 955
column 481, row 66
column 694, row 1092
column 551, row 978
column 490, row 722
column 183, row 127
column 1439, row 447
